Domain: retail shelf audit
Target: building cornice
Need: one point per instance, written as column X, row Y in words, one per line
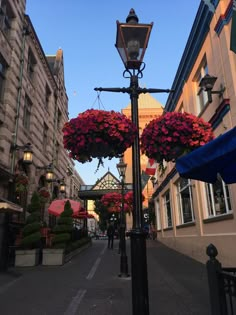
column 199, row 31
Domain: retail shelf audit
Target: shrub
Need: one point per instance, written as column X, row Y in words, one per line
column 63, row 228
column 31, row 231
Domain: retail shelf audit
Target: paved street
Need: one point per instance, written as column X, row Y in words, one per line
column 89, row 284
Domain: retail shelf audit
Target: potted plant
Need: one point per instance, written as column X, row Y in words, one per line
column 98, row 134
column 30, row 243
column 173, row 134
column 62, row 236
column 44, row 196
column 21, row 182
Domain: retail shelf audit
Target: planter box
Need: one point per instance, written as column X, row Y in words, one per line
column 53, row 257
column 26, row 257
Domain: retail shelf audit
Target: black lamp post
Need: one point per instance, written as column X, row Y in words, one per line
column 121, row 167
column 131, row 43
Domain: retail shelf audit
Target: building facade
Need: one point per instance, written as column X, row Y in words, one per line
column 33, row 110
column 192, row 214
column 149, row 109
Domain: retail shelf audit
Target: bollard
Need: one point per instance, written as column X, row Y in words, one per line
column 215, row 283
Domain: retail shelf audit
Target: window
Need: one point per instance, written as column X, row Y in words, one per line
column 181, row 108
column 218, row 199
column 31, row 64
column 167, row 210
column 6, row 15
column 57, row 153
column 185, row 204
column 3, row 67
column 27, row 113
column 202, row 98
column 58, row 118
column 45, row 136
column 47, row 96
column 158, row 215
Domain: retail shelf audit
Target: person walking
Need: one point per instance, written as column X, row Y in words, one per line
column 110, row 235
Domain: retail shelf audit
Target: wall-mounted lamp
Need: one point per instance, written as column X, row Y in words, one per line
column 49, row 171
column 27, row 150
column 153, row 180
column 207, row 84
column 62, row 186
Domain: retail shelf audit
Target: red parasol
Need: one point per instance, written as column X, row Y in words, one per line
column 57, row 207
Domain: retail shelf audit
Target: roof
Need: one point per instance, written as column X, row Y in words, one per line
column 147, row 101
column 8, row 206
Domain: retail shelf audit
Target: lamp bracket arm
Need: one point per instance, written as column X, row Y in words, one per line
column 119, row 90
column 152, row 90
column 220, row 92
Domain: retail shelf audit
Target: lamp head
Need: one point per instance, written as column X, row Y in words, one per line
column 49, row 173
column 207, row 82
column 132, row 40
column 28, row 154
column 121, row 167
column 62, row 186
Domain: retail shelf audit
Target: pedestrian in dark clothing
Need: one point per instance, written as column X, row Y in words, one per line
column 110, row 235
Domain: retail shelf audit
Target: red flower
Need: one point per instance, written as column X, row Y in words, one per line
column 44, row 194
column 172, row 134
column 113, row 201
column 98, row 133
column 22, row 182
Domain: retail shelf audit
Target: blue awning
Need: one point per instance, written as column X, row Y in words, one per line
column 218, row 157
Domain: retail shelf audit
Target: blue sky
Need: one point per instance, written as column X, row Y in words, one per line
column 86, row 32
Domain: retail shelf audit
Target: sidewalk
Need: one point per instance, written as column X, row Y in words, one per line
column 89, row 284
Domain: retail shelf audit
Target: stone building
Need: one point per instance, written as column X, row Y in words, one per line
column 192, row 214
column 33, row 110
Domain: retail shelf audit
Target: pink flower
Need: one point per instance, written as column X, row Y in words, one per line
column 183, row 132
column 98, row 133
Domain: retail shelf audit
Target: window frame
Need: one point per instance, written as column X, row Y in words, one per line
column 31, row 63
column 211, row 199
column 202, row 97
column 168, row 220
column 3, row 71
column 180, row 189
column 27, row 113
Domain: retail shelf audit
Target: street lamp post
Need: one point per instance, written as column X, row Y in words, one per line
column 131, row 43
column 121, row 166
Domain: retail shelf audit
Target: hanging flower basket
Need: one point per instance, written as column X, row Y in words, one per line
column 98, row 134
column 129, row 200
column 113, row 201
column 44, row 194
column 22, row 182
column 173, row 134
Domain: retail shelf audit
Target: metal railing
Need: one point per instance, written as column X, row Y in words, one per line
column 222, row 285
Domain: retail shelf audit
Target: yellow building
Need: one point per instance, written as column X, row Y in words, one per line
column 149, row 109
column 192, row 214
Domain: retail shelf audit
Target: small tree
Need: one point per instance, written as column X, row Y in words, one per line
column 31, row 231
column 63, row 228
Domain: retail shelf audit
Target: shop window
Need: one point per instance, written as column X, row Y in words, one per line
column 167, row 210
column 158, row 214
column 218, row 198
column 184, row 201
